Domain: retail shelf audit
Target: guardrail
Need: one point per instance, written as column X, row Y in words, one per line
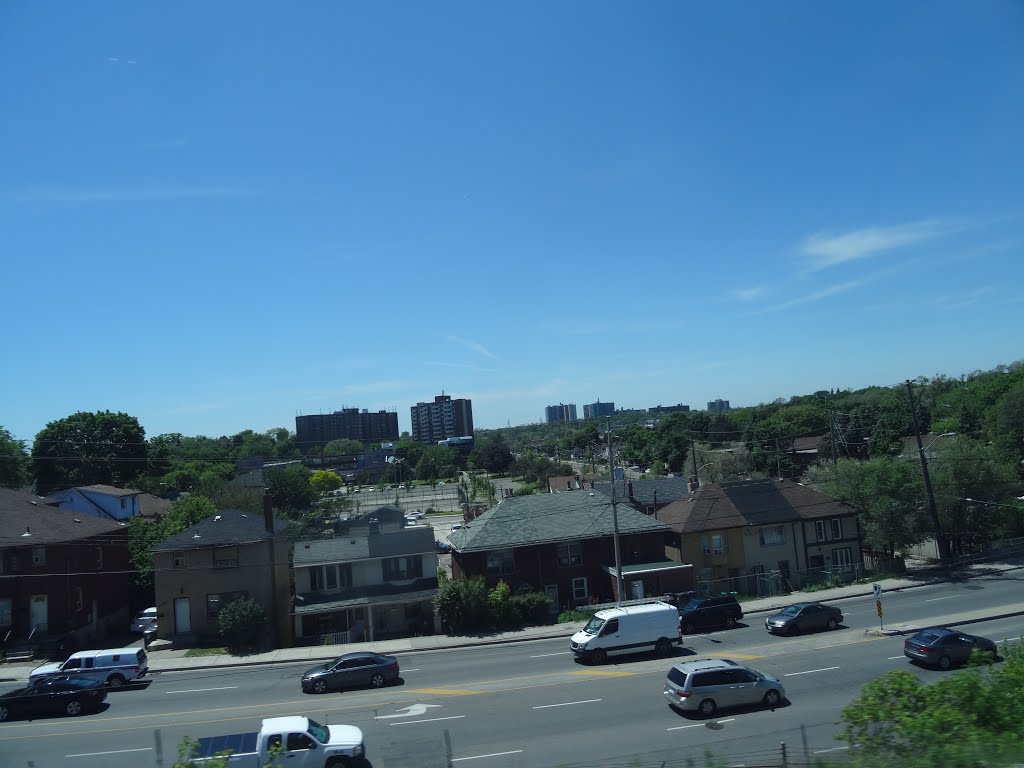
column 334, row 638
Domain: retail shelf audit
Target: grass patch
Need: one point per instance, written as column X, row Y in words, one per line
column 575, row 615
column 214, row 651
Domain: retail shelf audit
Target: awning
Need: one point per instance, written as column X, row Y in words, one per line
column 638, row 569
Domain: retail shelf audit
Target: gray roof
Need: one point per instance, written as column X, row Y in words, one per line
column 227, row 527
column 548, row 517
column 664, row 489
column 47, row 524
column 346, row 548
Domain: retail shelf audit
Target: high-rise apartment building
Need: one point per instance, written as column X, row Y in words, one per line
column 718, row 406
column 594, row 410
column 441, row 419
column 348, row 423
column 560, row 412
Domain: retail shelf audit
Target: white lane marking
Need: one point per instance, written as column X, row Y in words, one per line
column 567, row 704
column 834, row 749
column 411, row 670
column 896, row 657
column 113, row 752
column 699, row 725
column 493, row 754
column 933, row 599
column 810, row 671
column 542, row 655
column 430, row 720
column 200, row 690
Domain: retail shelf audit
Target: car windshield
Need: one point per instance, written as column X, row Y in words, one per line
column 925, row 638
column 319, row 732
column 594, row 626
column 792, row 610
column 693, row 605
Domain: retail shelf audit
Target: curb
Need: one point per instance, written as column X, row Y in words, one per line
column 915, row 629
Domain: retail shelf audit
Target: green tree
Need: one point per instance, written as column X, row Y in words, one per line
column 344, row 447
column 492, row 454
column 88, row 448
column 290, row 488
column 242, row 624
column 323, row 482
column 13, row 461
column 143, row 534
column 462, row 604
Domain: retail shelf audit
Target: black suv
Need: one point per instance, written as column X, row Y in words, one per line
column 709, row 612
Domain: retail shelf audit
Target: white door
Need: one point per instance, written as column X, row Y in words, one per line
column 38, row 613
column 182, row 616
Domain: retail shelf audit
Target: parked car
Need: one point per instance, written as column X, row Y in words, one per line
column 707, row 685
column 113, row 666
column 944, row 647
column 416, row 515
column 456, row 527
column 352, row 670
column 804, row 617
column 58, row 696
column 144, row 620
column 708, row 613
column 442, row 547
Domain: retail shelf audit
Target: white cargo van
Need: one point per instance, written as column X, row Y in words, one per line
column 630, row 629
column 114, row 666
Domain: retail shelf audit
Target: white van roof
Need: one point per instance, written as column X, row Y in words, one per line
column 634, row 610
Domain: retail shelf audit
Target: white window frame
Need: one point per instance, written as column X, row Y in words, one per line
column 777, row 537
column 719, row 544
column 579, row 588
column 820, row 530
column 844, row 554
column 836, row 527
column 569, row 554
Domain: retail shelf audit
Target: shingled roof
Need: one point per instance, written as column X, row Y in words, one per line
column 664, row 489
column 749, row 502
column 227, row 527
column 46, row 523
column 546, row 518
column 348, row 547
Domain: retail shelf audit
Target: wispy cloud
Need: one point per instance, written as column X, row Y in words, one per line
column 810, row 298
column 828, row 249
column 963, row 299
column 746, row 294
column 128, row 194
column 473, row 345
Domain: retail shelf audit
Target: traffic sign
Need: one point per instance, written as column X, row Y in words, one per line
column 878, row 607
column 878, row 591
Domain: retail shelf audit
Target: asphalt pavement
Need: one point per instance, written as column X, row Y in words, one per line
column 163, row 658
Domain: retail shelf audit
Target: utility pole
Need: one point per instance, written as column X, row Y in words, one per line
column 940, row 540
column 832, row 436
column 615, row 520
column 693, row 454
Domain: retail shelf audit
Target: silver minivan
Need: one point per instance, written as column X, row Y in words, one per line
column 113, row 666
column 707, row 685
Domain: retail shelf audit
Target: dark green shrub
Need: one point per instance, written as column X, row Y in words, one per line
column 532, row 608
column 242, row 624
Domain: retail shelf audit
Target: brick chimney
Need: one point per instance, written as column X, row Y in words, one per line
column 268, row 512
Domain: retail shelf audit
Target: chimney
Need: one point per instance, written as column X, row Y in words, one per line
column 630, row 486
column 268, row 512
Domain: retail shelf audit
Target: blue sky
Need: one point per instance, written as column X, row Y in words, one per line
column 215, row 216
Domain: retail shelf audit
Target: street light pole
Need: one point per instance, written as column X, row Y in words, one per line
column 615, row 520
column 940, row 540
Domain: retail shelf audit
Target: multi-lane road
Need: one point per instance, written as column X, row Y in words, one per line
column 531, row 704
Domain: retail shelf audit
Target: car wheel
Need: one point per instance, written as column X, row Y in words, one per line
column 707, row 707
column 663, row 647
column 4, row 714
column 944, row 662
column 319, row 686
column 377, row 680
column 73, row 707
column 688, row 628
column 992, row 654
column 772, row 699
column 338, row 762
column 115, row 681
column 730, row 622
column 831, row 624
column 598, row 657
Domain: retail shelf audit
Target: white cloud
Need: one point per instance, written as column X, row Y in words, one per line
column 746, row 294
column 824, row 293
column 473, row 345
column 827, row 250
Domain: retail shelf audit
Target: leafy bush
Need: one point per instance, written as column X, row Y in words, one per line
column 462, row 604
column 242, row 623
column 576, row 614
column 532, row 608
column 499, row 604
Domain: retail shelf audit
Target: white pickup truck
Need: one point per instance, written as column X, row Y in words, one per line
column 304, row 742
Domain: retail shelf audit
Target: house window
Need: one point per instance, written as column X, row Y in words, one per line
column 38, row 556
column 842, row 558
column 501, row 561
column 820, row 530
column 215, row 602
column 316, row 579
column 773, row 536
column 837, row 528
column 99, row 558
column 124, row 502
column 579, row 588
column 714, row 543
column 77, row 598
column 5, row 611
column 225, row 557
column 15, row 563
column 403, row 568
column 179, row 559
column 569, row 554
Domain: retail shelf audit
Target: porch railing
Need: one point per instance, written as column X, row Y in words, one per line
column 334, row 638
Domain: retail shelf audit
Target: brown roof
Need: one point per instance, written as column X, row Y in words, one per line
column 109, row 490
column 153, row 506
column 47, row 524
column 749, row 502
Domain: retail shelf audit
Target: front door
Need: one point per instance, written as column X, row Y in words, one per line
column 38, row 613
column 182, row 616
column 551, row 591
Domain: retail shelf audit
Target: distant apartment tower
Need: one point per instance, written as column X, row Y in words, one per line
column 348, row 423
column 560, row 412
column 680, row 408
column 718, row 406
column 594, row 410
column 441, row 419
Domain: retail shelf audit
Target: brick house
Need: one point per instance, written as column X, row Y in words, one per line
column 562, row 544
column 373, row 578
column 61, row 573
column 222, row 558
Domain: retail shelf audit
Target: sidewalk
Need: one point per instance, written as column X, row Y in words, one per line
column 172, row 660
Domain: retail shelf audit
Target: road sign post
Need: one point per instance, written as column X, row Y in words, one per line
column 877, row 588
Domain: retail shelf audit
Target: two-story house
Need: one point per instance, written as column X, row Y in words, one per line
column 230, row 555
column 647, row 496
column 100, row 501
column 373, row 577
column 563, row 545
column 754, row 536
column 61, row 574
